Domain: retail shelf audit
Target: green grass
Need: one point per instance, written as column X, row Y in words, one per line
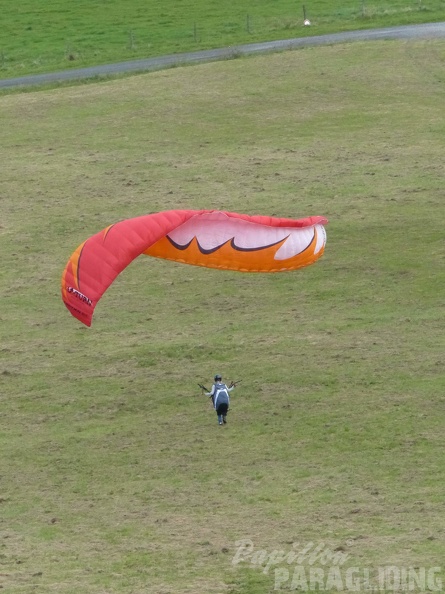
column 115, row 477
column 42, row 37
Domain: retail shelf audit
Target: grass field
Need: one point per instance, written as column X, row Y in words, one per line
column 115, row 478
column 58, row 35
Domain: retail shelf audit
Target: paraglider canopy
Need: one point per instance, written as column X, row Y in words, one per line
column 210, row 238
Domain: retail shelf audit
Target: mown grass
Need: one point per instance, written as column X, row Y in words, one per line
column 115, row 477
column 44, row 37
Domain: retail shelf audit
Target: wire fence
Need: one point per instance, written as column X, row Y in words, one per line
column 118, row 40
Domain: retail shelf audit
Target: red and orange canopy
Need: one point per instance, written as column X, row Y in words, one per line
column 210, row 238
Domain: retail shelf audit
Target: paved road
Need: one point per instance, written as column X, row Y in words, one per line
column 427, row 31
